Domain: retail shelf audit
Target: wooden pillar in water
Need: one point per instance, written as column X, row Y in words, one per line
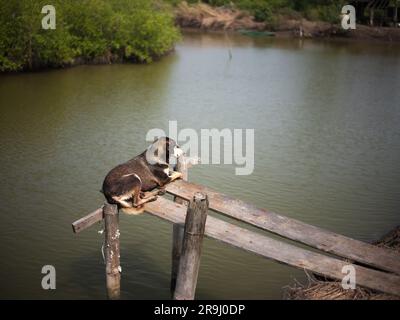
column 177, row 228
column 112, row 253
column 371, row 17
column 177, row 238
column 189, row 262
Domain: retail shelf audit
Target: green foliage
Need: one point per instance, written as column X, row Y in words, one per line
column 136, row 30
column 328, row 10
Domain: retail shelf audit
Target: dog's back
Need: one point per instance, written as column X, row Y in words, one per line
column 124, row 177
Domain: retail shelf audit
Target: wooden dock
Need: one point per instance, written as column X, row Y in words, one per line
column 376, row 268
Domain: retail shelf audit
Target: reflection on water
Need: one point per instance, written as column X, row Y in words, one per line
column 327, row 145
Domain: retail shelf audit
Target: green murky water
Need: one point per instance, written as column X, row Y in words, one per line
column 327, row 151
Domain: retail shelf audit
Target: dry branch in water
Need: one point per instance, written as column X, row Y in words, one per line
column 317, row 289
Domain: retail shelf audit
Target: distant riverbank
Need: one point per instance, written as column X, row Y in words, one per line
column 93, row 32
column 224, row 19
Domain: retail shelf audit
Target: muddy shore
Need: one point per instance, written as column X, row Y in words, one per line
column 203, row 17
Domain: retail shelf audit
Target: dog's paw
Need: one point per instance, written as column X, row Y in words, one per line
column 175, row 175
column 151, row 199
column 133, row 211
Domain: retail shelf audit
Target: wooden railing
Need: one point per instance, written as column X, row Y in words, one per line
column 376, row 268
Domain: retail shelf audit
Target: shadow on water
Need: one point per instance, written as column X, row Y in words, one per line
column 142, row 277
column 87, row 273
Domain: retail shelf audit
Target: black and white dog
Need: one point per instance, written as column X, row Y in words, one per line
column 126, row 183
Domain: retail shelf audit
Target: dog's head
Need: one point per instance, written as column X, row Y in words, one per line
column 163, row 150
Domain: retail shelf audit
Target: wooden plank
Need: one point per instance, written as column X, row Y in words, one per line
column 88, row 220
column 312, row 236
column 277, row 250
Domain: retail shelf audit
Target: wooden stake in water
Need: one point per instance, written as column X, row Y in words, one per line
column 112, row 253
column 191, row 248
column 177, row 228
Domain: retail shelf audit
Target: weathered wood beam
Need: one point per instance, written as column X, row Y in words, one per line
column 312, row 236
column 112, row 253
column 177, row 229
column 277, row 250
column 177, row 240
column 189, row 262
column 88, row 220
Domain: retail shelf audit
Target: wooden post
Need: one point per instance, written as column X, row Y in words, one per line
column 111, row 247
column 189, row 263
column 177, row 228
column 182, row 166
column 371, row 17
column 177, row 238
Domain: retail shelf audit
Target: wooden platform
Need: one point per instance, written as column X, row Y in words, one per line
column 376, row 268
column 293, row 229
column 277, row 250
